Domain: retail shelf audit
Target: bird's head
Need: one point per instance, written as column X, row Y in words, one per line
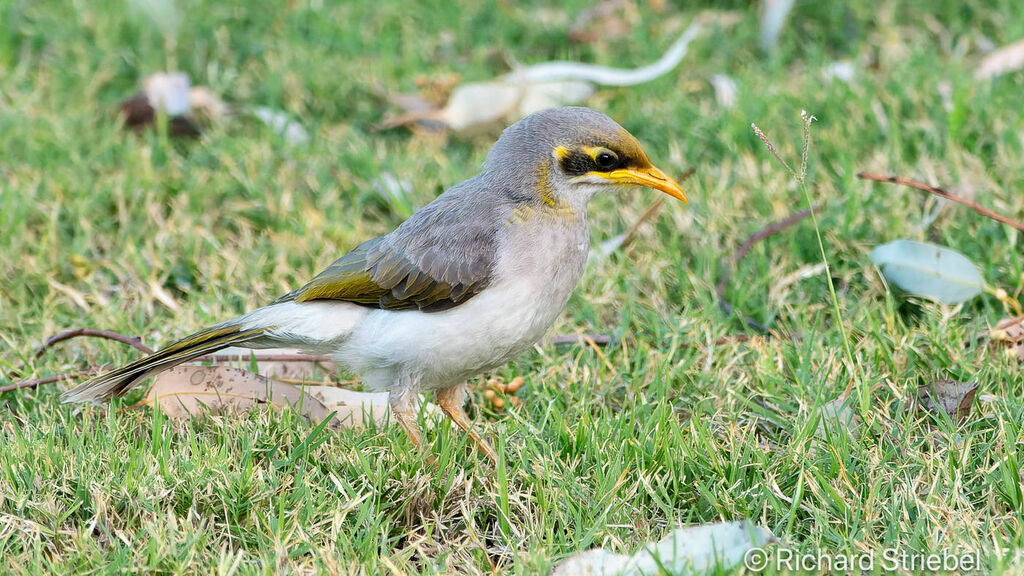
column 569, row 154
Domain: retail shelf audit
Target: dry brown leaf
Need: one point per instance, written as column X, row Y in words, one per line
column 188, row 390
column 605, row 21
column 951, row 396
column 1009, row 58
column 1008, row 334
column 185, row 391
column 279, row 363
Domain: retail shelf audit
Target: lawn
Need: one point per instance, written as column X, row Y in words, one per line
column 688, row 416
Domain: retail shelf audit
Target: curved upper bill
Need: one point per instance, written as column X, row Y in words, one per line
column 650, row 177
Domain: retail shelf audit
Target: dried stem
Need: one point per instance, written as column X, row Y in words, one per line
column 943, row 194
column 133, row 341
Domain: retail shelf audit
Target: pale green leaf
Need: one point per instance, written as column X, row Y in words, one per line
column 929, row 270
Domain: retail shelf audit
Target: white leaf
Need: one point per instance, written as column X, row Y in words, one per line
column 928, row 270
column 836, row 418
column 1006, row 59
column 168, row 91
column 773, row 18
column 725, row 90
column 688, row 550
column 278, row 121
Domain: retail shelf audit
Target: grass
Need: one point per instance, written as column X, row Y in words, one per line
column 668, row 425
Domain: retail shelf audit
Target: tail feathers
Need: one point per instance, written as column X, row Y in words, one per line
column 123, row 379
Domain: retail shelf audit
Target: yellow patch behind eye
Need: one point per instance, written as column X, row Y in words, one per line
column 561, row 152
column 593, row 151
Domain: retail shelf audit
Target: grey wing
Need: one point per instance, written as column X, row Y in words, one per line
column 437, row 259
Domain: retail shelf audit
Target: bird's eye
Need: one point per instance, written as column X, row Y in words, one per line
column 606, row 160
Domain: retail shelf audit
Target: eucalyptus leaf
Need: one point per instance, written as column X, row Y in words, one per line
column 929, row 270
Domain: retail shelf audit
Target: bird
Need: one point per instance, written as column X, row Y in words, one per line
column 466, row 284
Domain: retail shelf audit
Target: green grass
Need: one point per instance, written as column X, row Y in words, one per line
column 663, row 427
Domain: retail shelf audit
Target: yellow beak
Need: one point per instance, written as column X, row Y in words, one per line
column 650, row 177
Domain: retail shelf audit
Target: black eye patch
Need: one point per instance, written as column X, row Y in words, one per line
column 578, row 162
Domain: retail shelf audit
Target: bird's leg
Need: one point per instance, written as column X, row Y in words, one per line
column 451, row 401
column 403, row 408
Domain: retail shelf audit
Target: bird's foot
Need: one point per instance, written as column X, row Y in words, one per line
column 451, row 401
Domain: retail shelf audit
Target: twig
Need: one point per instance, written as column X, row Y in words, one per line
column 51, row 379
column 742, row 251
column 133, row 341
column 943, row 194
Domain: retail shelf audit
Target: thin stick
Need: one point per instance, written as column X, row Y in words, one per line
column 133, row 341
column 943, row 194
column 51, row 379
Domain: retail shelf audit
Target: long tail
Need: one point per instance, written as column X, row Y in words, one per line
column 121, row 380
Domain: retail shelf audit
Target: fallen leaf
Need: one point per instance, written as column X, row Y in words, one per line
column 1006, row 59
column 838, row 417
column 773, row 19
column 185, row 391
column 1008, row 334
column 706, row 549
column 953, row 397
column 843, row 70
column 282, row 124
column 605, row 21
column 478, row 106
column 164, row 92
column 168, row 92
column 928, row 270
column 725, row 90
column 277, row 363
